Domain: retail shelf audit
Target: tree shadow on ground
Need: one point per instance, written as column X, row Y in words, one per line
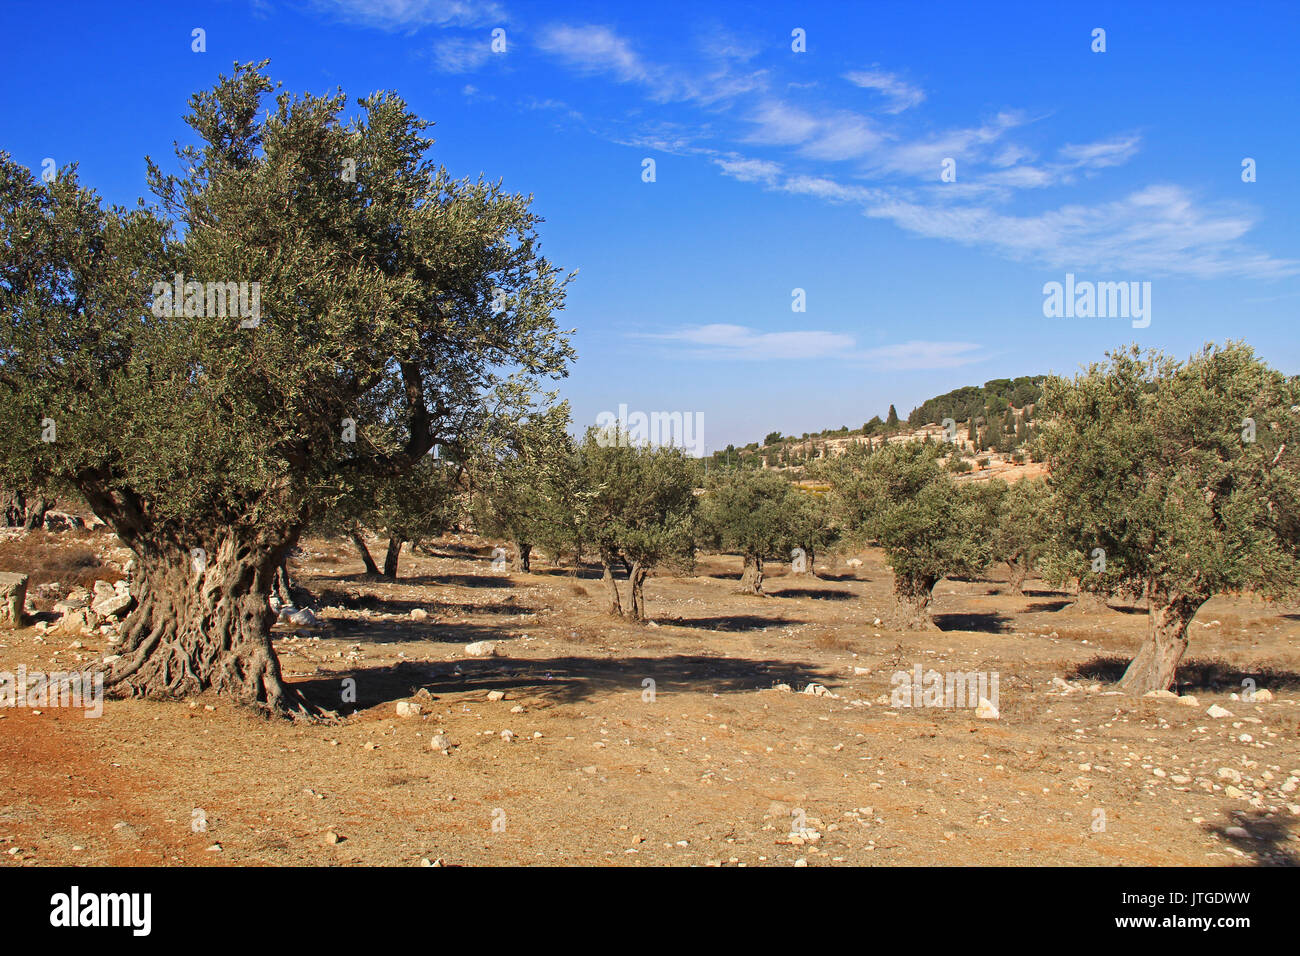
column 583, row 573
column 1047, row 606
column 990, row 622
column 841, row 577
column 1034, row 592
column 824, row 594
column 378, row 604
column 561, row 679
column 729, row 622
column 418, row 580
column 1193, row 675
column 1267, row 839
column 1128, row 609
column 362, row 631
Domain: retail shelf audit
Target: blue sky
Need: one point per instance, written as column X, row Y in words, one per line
column 778, row 170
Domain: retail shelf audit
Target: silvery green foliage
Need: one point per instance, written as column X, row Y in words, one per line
column 929, row 525
column 376, row 306
column 1148, row 463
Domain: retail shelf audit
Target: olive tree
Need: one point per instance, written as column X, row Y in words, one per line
column 929, row 525
column 749, row 512
column 1177, row 480
column 1020, row 532
column 637, row 509
column 382, row 297
column 519, row 480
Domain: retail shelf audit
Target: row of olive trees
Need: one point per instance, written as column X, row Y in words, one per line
column 1155, row 489
column 1175, row 481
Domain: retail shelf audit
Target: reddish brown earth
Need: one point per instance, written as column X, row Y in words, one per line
column 713, row 770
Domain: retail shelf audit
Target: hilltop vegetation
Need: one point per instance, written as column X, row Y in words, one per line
column 996, row 417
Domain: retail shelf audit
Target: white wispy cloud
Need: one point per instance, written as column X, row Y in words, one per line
column 915, row 355
column 595, row 49
column 901, row 94
column 461, row 54
column 892, row 172
column 742, row 343
column 413, row 14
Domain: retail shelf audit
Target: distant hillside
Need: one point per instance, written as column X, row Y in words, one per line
column 995, row 416
column 973, row 400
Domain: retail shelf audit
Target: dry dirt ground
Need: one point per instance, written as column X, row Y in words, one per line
column 720, row 767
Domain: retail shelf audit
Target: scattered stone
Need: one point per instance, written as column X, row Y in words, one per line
column 1261, row 697
column 481, row 649
column 440, row 742
column 13, row 599
column 304, row 618
column 409, row 708
column 1214, row 710
column 1187, row 700
column 332, row 838
column 419, row 614
column 113, row 605
column 495, row 695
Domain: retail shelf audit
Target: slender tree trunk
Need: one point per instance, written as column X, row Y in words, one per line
column 204, row 624
column 615, row 605
column 639, row 572
column 283, row 587
column 523, row 557
column 914, row 595
column 1156, row 663
column 751, row 579
column 391, row 557
column 360, row 542
column 811, row 553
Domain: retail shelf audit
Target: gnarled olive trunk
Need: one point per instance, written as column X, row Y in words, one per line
column 639, row 572
column 15, row 509
column 1156, row 663
column 615, row 604
column 914, row 595
column 1019, row 572
column 751, row 578
column 523, row 557
column 202, row 622
column 35, row 518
